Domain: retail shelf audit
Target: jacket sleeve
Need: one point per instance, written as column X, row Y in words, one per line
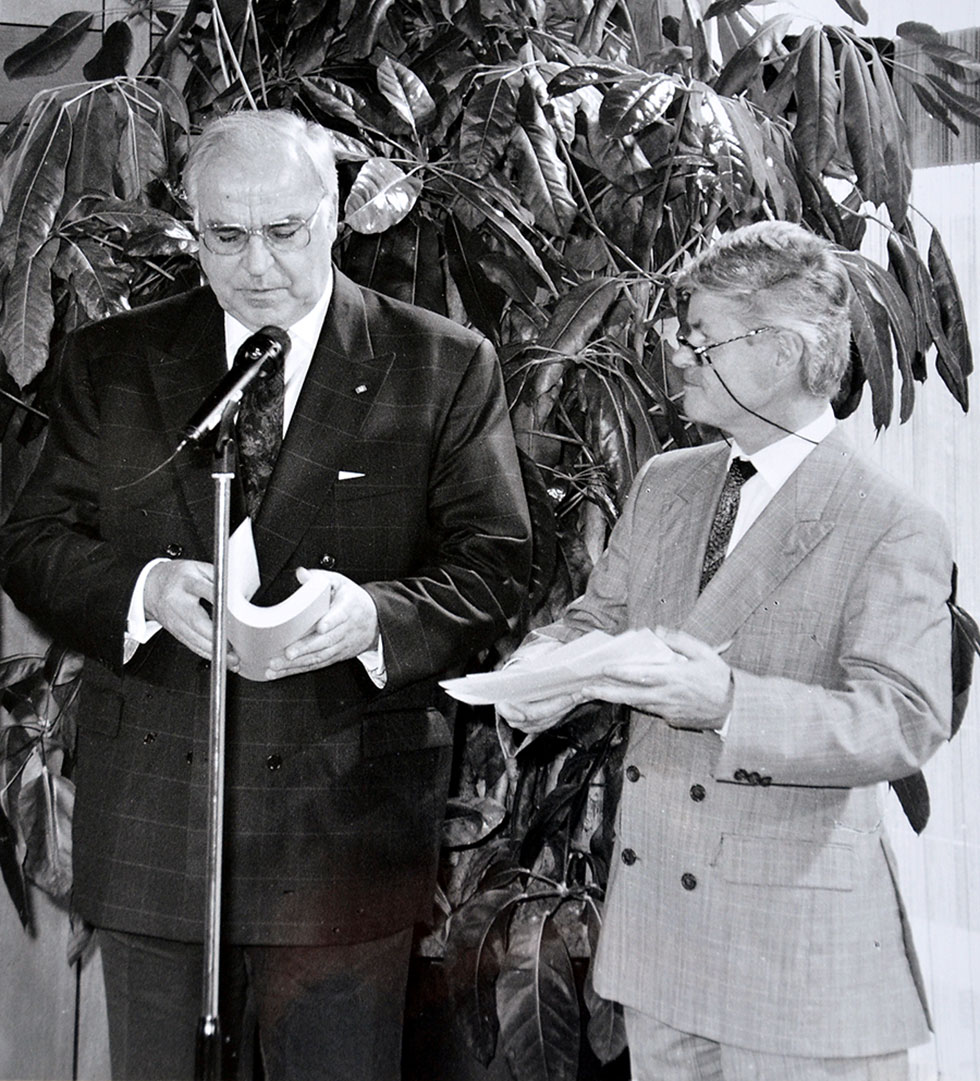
column 55, row 563
column 888, row 707
column 473, row 579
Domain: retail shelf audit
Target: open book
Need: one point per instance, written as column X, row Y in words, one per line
column 258, row 634
column 559, row 671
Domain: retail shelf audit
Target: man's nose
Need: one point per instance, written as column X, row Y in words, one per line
column 684, row 356
column 257, row 257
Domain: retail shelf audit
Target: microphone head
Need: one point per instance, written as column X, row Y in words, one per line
column 270, row 341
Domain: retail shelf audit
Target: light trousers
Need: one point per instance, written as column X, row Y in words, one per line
column 661, row 1053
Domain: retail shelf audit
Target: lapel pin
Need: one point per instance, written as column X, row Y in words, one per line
column 361, row 388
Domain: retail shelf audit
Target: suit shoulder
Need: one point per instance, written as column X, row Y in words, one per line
column 893, row 501
column 156, row 321
column 406, row 318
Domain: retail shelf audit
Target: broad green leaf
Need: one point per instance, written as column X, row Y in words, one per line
column 919, row 33
column 366, row 25
column 407, row 94
column 897, row 177
column 934, row 107
column 51, row 49
column 542, row 174
column 113, row 54
column 469, row 820
column 488, row 121
column 99, row 282
column 37, row 185
column 494, row 218
column 962, row 104
column 901, row 320
column 954, row 61
column 724, row 7
column 380, row 197
column 578, row 315
column 28, row 315
column 862, row 124
column 869, row 327
column 746, row 65
column 754, row 137
column 855, row 9
column 141, row 158
column 94, row 145
column 482, row 299
column 46, row 802
column 722, row 147
column 474, row 953
column 953, row 367
column 635, row 104
column 403, row 262
column 338, row 100
column 594, row 74
column 347, row 148
column 537, row 1001
column 817, row 101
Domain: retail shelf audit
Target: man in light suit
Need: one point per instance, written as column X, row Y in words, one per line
column 753, row 927
column 398, row 475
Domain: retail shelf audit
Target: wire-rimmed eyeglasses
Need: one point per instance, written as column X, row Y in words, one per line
column 701, row 352
column 290, row 234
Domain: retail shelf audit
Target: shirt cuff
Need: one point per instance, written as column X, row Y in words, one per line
column 374, row 664
column 139, row 629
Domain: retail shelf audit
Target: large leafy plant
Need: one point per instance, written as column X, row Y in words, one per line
column 537, row 168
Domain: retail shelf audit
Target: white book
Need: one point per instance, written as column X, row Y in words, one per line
column 260, row 633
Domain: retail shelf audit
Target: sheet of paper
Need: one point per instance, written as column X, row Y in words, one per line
column 561, row 670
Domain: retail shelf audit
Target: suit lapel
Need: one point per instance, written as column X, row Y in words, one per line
column 183, row 371
column 799, row 516
column 678, row 552
column 341, row 385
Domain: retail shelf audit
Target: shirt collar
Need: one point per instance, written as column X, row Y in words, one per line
column 303, row 335
column 777, row 462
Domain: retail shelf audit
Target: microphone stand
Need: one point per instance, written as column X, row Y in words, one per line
column 208, row 1049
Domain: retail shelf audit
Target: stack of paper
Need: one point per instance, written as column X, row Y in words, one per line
column 563, row 670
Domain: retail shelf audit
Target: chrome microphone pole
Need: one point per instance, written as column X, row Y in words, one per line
column 209, row 1040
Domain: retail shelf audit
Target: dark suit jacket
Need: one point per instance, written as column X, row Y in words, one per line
column 335, row 790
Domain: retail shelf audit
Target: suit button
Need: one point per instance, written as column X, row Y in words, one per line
column 274, row 762
column 697, row 792
column 632, row 774
column 629, row 857
column 328, row 561
column 688, row 881
column 173, row 551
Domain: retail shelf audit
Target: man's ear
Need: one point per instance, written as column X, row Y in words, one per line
column 789, row 353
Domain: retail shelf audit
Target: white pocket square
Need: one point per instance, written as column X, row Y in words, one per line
column 346, row 475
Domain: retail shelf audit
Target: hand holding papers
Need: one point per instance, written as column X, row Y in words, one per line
column 258, row 634
column 564, row 670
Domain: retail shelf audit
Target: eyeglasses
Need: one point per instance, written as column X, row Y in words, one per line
column 290, row 234
column 701, row 352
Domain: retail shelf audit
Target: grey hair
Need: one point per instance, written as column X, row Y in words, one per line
column 249, row 133
column 789, row 277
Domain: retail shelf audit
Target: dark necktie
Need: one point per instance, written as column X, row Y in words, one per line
column 259, row 429
column 721, row 528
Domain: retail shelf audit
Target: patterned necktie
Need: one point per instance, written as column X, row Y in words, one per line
column 721, row 528
column 259, row 429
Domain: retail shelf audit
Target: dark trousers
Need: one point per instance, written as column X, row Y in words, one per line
column 320, row 1012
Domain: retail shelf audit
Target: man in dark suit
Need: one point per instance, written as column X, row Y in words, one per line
column 753, row 927
column 397, row 473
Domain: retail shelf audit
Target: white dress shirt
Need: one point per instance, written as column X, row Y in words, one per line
column 774, row 465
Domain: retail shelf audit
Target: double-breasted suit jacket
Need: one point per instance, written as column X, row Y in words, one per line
column 335, row 790
column 753, row 899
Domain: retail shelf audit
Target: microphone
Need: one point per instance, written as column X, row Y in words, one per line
column 256, row 352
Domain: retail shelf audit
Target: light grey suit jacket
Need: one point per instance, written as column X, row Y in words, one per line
column 753, row 898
